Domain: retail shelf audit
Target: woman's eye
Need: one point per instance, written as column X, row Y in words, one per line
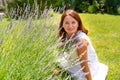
column 73, row 22
column 67, row 23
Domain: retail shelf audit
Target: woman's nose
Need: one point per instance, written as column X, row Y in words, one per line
column 70, row 25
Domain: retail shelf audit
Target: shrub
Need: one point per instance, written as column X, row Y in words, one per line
column 92, row 9
column 84, row 6
column 118, row 10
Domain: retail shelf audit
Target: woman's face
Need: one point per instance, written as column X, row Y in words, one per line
column 70, row 25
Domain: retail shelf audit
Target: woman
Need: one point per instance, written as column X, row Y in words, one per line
column 78, row 57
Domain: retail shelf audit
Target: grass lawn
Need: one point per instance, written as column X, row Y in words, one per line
column 26, row 46
column 104, row 33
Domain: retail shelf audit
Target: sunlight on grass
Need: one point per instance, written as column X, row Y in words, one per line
column 104, row 32
column 28, row 47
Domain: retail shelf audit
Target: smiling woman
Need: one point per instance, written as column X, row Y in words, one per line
column 79, row 57
column 70, row 25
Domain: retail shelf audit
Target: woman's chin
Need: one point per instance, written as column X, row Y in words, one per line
column 71, row 34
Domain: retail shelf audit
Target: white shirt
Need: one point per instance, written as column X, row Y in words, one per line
column 70, row 61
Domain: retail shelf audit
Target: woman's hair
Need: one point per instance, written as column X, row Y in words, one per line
column 75, row 15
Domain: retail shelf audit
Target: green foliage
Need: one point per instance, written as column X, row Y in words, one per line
column 96, row 4
column 25, row 7
column 118, row 10
column 27, row 48
column 103, row 6
column 2, row 8
column 92, row 9
column 84, row 6
column 77, row 4
column 111, row 5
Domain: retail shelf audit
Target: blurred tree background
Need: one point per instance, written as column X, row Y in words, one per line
column 83, row 6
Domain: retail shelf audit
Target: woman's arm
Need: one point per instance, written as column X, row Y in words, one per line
column 82, row 47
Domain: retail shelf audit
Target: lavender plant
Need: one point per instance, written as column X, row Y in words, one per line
column 28, row 47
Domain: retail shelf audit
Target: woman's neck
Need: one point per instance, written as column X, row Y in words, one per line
column 71, row 35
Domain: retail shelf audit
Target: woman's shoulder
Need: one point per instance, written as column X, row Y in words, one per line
column 81, row 35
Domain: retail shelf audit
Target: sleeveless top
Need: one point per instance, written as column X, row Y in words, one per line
column 69, row 60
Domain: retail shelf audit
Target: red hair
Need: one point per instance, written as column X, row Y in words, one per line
column 75, row 15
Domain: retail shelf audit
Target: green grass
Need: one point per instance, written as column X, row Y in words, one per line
column 27, row 52
column 26, row 49
column 104, row 33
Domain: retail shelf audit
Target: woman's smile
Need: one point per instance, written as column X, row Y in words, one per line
column 70, row 25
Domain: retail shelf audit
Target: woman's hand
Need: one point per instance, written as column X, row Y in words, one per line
column 60, row 44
